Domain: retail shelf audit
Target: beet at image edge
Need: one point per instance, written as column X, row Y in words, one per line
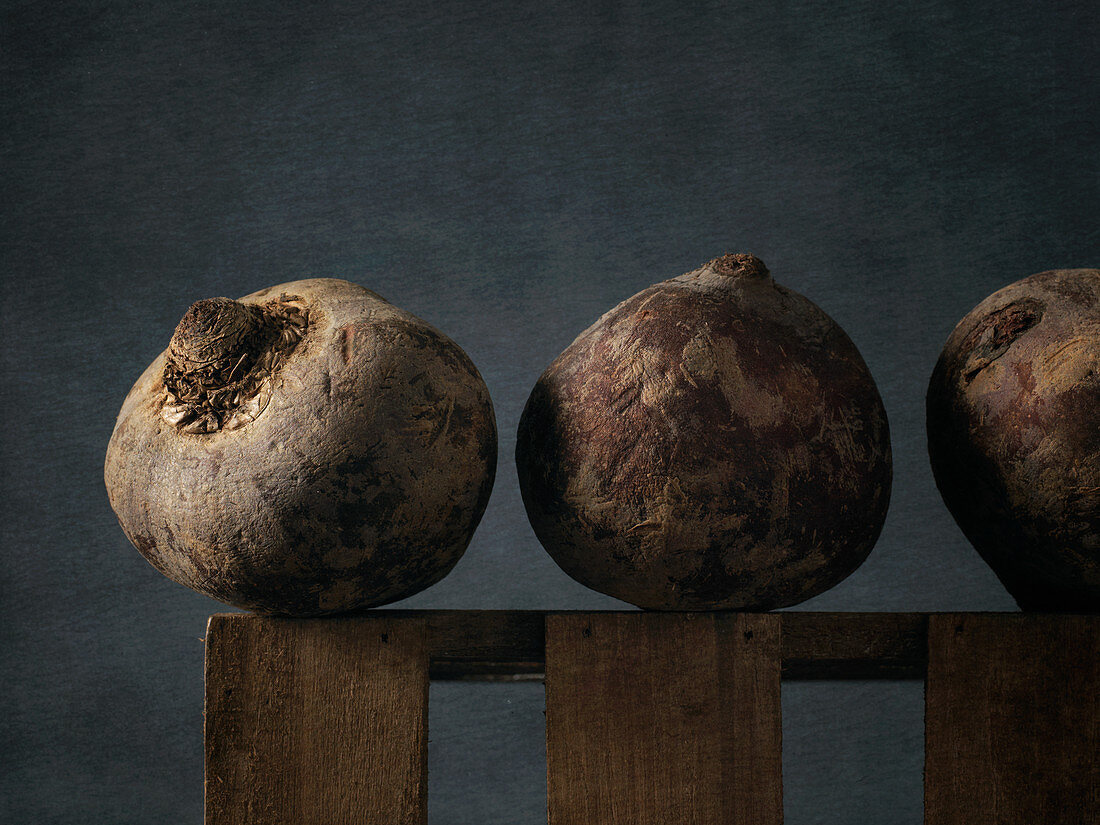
column 1013, row 420
column 715, row 442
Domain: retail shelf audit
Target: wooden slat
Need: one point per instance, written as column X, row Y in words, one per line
column 669, row 719
column 316, row 721
column 508, row 645
column 1012, row 720
column 503, row 645
column 854, row 645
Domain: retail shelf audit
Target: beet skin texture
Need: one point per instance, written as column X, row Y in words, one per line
column 715, row 442
column 1014, row 436
column 306, row 450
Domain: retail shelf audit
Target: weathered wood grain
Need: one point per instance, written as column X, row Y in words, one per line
column 321, row 721
column 670, row 719
column 1012, row 720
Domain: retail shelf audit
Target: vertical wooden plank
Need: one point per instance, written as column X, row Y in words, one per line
column 669, row 719
column 319, row 721
column 1012, row 720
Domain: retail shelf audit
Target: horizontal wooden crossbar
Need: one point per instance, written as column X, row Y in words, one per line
column 510, row 645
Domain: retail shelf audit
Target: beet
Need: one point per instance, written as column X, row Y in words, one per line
column 309, row 449
column 714, row 442
column 1014, row 436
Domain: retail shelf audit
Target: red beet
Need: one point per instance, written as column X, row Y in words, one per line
column 714, row 442
column 1014, row 436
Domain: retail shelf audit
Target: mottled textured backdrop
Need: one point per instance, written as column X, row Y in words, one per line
column 508, row 172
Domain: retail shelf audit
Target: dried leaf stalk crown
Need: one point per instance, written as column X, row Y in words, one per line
column 221, row 360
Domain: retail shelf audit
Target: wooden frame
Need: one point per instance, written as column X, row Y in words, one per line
column 1012, row 710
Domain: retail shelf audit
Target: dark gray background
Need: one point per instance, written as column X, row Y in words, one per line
column 507, row 172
